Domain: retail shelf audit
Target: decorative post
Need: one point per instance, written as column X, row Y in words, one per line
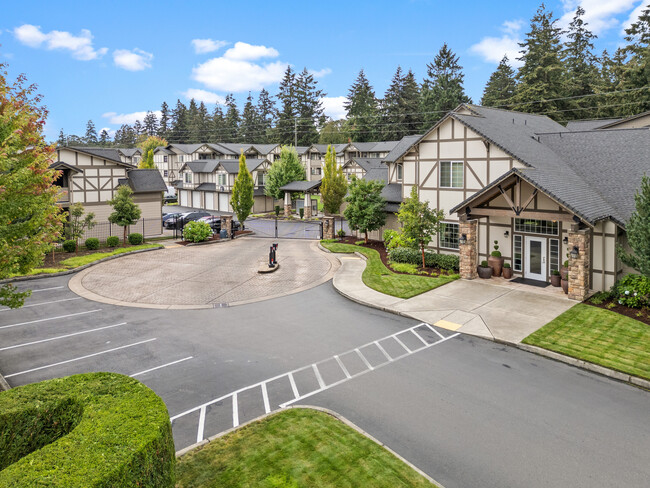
column 580, row 241
column 287, row 204
column 468, row 246
column 328, row 227
column 307, row 206
column 227, row 223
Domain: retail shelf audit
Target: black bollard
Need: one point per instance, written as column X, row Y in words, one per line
column 271, row 265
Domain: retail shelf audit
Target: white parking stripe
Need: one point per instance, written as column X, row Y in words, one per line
column 199, row 433
column 365, row 361
column 401, row 343
column 419, row 337
column 50, row 318
column 383, row 350
column 39, row 304
column 265, row 397
column 78, row 359
column 235, row 412
column 439, row 334
column 48, row 289
column 294, row 388
column 321, row 383
column 161, row 366
column 60, row 337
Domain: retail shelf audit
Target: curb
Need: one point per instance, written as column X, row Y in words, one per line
column 578, row 363
column 214, row 241
column 332, row 413
column 4, row 386
column 76, row 270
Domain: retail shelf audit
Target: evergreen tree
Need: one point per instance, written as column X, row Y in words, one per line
column 638, row 232
column 267, row 114
column 391, row 118
column 541, row 79
column 193, row 123
column 310, row 108
column 410, row 104
column 138, row 128
column 104, row 138
column 284, row 129
column 150, row 124
column 283, row 171
column 78, row 224
column 231, row 121
column 637, row 69
column 334, row 132
column 242, row 192
column 442, row 89
column 125, row 136
column 334, row 185
column 501, row 86
column 217, row 125
column 91, row 134
column 62, row 140
column 179, row 126
column 203, row 122
column 362, row 109
column 581, row 67
column 365, row 210
column 612, row 70
column 248, row 129
column 163, row 127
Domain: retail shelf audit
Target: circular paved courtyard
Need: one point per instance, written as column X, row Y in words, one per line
column 206, row 276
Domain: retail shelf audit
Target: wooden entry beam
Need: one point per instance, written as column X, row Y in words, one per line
column 537, row 215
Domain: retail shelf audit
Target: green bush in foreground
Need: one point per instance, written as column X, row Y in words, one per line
column 633, row 290
column 88, row 430
column 113, row 241
column 92, row 243
column 69, row 245
column 135, row 239
column 197, row 231
column 431, row 259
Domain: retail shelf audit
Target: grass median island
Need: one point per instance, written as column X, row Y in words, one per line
column 294, row 448
column 76, row 261
column 380, row 278
column 600, row 337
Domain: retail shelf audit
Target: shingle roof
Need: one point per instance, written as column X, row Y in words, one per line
column 302, row 149
column 162, row 149
column 130, row 151
column 203, row 165
column 580, row 125
column 146, row 180
column 368, row 164
column 59, row 165
column 384, row 146
column 235, row 147
column 101, row 152
column 232, row 165
column 401, row 148
column 615, row 123
column 186, row 148
column 392, row 193
column 207, row 187
column 301, row 185
column 364, row 146
column 222, row 149
column 264, row 148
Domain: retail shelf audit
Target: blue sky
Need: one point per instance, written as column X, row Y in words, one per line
column 110, row 61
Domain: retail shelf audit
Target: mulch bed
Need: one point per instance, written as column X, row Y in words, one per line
column 383, row 254
column 627, row 311
column 62, row 256
column 215, row 237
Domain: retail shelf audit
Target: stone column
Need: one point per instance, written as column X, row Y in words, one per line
column 307, row 206
column 328, row 227
column 227, row 223
column 287, row 204
column 579, row 268
column 469, row 250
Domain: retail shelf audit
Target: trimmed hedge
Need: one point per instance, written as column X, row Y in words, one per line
column 95, row 430
column 135, row 239
column 92, row 243
column 69, row 245
column 112, row 241
column 431, row 259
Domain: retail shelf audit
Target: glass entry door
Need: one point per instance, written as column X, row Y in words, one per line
column 535, row 266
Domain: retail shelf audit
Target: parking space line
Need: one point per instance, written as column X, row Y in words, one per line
column 50, row 318
column 401, row 343
column 363, row 358
column 265, row 397
column 345, row 370
column 321, row 383
column 60, row 337
column 376, row 343
column 199, row 432
column 433, row 329
column 294, row 388
column 235, row 412
column 48, row 289
column 161, row 366
column 78, row 359
column 418, row 336
column 41, row 303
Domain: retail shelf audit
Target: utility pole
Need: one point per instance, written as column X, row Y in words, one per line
column 295, row 132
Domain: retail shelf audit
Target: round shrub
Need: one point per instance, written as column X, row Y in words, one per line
column 92, row 243
column 95, row 430
column 113, row 241
column 69, row 246
column 197, row 231
column 632, row 291
column 135, row 239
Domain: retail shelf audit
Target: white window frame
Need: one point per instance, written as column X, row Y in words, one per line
column 187, row 177
column 451, row 174
column 399, row 172
column 180, row 159
column 222, row 179
column 440, row 236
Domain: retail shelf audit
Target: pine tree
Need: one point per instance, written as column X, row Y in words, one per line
column 334, row 185
column 334, row 132
column 410, row 105
column 91, row 134
column 501, row 86
column 248, row 129
column 163, row 127
column 638, row 232
column 150, row 123
column 179, row 126
column 391, row 118
column 217, row 125
column 636, row 75
column 62, row 140
column 442, row 89
column 203, row 122
column 104, row 138
column 138, row 128
column 231, row 121
column 310, row 108
column 541, row 79
column 242, row 192
column 284, row 129
column 612, row 70
column 267, row 114
column 362, row 109
column 193, row 122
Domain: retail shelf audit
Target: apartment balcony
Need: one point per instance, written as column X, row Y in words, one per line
column 63, row 195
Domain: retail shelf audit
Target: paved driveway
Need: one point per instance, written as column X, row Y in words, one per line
column 206, row 276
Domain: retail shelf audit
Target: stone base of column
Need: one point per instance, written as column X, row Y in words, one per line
column 328, row 227
column 287, row 210
column 227, row 224
column 308, row 212
column 468, row 252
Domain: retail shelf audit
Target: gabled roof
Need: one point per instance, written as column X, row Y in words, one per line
column 401, row 148
column 185, row 148
column 207, row 187
column 264, row 148
column 60, row 165
column 130, row 151
column 614, row 123
column 363, row 146
column 580, row 125
column 146, row 180
column 109, row 154
column 302, row 149
column 237, row 148
column 201, row 165
column 222, row 149
column 300, row 186
column 322, row 148
column 368, row 164
column 384, row 146
column 232, row 165
column 162, row 149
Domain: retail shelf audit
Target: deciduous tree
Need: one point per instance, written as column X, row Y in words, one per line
column 334, row 185
column 125, row 211
column 147, row 146
column 78, row 223
column 283, row 171
column 365, row 210
column 242, row 192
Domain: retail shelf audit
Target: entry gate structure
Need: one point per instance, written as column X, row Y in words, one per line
column 285, row 229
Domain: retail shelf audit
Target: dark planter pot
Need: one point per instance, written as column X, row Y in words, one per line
column 556, row 280
column 564, row 273
column 497, row 264
column 507, row 273
column 565, row 286
column 485, row 273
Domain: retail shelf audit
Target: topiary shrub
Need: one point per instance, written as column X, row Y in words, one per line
column 197, row 231
column 632, row 291
column 135, row 239
column 431, row 259
column 277, row 210
column 113, row 241
column 95, row 430
column 92, row 243
column 301, row 212
column 69, row 246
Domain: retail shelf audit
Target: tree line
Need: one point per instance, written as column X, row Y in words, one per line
column 560, row 75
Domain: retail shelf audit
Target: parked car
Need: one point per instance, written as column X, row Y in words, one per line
column 193, row 216
column 169, row 220
column 210, row 218
column 215, row 225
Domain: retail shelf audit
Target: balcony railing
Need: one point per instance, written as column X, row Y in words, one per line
column 63, row 196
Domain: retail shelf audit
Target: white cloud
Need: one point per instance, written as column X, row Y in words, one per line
column 115, row 118
column 135, row 60
column 512, row 27
column 80, row 46
column 320, row 73
column 111, row 132
column 207, row 45
column 599, row 14
column 634, row 16
column 243, row 51
column 333, row 107
column 204, row 96
column 492, row 49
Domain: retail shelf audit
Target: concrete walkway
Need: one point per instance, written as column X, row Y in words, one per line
column 473, row 307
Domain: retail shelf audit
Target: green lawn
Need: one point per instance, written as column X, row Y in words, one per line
column 36, row 271
column 382, row 279
column 76, row 261
column 294, row 448
column 598, row 336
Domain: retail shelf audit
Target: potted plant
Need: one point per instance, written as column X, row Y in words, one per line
column 565, row 283
column 495, row 260
column 564, row 270
column 556, row 278
column 507, row 271
column 485, row 270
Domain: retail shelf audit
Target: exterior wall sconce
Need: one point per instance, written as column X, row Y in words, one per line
column 565, row 241
column 506, row 234
column 575, row 252
column 463, row 239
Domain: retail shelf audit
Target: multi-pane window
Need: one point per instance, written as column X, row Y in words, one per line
column 517, row 259
column 449, row 235
column 314, row 156
column 221, row 179
column 554, row 254
column 316, row 171
column 547, row 227
column 451, row 174
column 165, row 173
column 399, row 171
column 261, row 178
column 164, row 159
column 180, row 159
column 187, row 177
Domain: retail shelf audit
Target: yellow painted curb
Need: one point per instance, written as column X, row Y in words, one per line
column 447, row 325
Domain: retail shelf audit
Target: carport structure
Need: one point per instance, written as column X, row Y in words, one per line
column 308, row 188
